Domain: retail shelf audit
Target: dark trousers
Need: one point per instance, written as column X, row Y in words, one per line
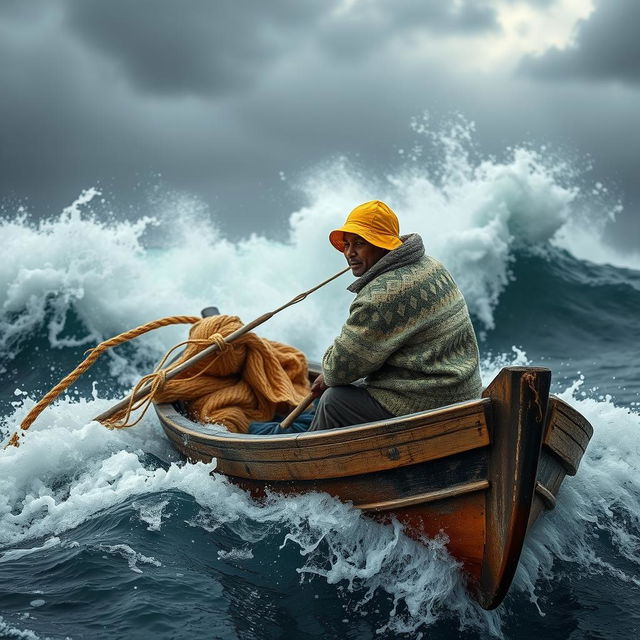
column 345, row 405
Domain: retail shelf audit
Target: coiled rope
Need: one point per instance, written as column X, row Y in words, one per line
column 156, row 377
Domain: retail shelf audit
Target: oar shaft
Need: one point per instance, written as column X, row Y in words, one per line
column 288, row 421
column 174, row 371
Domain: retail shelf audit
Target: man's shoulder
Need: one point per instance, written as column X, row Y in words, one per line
column 399, row 280
column 414, row 273
column 424, row 278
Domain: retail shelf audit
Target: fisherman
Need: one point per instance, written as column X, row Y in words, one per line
column 408, row 344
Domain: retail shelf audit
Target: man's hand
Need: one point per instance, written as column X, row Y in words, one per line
column 318, row 387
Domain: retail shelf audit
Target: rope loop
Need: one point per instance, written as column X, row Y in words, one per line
column 217, row 338
column 157, row 379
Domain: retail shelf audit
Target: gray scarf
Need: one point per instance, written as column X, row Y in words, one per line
column 411, row 250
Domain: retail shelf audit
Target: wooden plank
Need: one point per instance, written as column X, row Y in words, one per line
column 422, row 498
column 561, row 422
column 572, row 415
column 462, row 519
column 394, row 484
column 547, row 497
column 566, row 437
column 551, row 473
column 353, row 463
column 567, row 449
column 471, row 427
column 463, row 422
column 326, row 462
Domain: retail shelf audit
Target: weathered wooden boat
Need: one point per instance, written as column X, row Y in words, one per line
column 480, row 471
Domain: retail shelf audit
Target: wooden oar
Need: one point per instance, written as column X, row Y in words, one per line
column 297, row 411
column 170, row 373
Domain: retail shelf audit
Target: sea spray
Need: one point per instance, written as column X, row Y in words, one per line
column 114, row 274
column 10, row 631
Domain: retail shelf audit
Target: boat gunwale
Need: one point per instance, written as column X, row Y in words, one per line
column 571, row 414
column 387, row 426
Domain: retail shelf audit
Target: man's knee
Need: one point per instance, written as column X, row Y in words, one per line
column 334, row 395
column 328, row 408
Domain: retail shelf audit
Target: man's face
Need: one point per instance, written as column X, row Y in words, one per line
column 360, row 254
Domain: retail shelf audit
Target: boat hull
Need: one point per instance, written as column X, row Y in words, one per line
column 479, row 472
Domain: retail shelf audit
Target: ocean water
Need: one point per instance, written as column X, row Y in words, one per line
column 107, row 534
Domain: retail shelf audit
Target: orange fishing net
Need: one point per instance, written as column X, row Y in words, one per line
column 250, row 380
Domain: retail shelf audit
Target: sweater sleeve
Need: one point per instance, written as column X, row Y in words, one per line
column 362, row 347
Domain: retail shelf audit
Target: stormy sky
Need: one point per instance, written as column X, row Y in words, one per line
column 216, row 98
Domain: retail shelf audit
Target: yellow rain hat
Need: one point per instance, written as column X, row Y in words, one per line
column 374, row 221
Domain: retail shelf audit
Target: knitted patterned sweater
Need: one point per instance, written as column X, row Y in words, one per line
column 408, row 334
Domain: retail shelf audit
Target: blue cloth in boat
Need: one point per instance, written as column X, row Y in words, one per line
column 301, row 424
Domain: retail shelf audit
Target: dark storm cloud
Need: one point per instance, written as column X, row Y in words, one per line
column 204, row 47
column 467, row 16
column 606, row 47
column 534, row 3
column 169, row 46
column 18, row 8
column 370, row 25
